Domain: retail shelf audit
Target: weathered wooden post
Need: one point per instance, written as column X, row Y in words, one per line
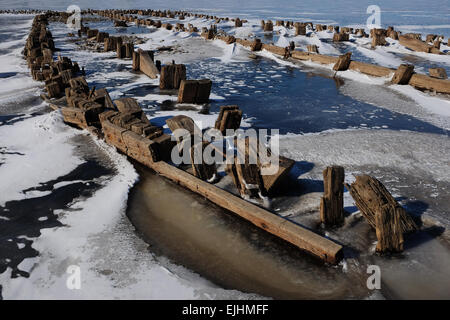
column 382, row 211
column 378, row 37
column 171, row 76
column 340, row 36
column 300, row 29
column 388, row 230
column 332, row 203
column 438, row 73
column 268, row 26
column 146, row 64
column 201, row 169
column 312, row 48
column 229, row 118
column 403, row 74
column 136, row 62
column 343, row 62
column 256, row 45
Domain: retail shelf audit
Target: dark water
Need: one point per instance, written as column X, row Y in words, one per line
column 296, row 101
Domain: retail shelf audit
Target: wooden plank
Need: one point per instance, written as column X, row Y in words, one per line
column 274, row 49
column 415, row 44
column 146, row 65
column 371, row 69
column 425, row 82
column 303, row 238
column 319, row 58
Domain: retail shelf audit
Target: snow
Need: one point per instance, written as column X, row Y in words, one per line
column 114, row 264
column 433, row 104
column 29, row 144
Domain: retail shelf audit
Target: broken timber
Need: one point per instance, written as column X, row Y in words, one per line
column 146, row 64
column 371, row 196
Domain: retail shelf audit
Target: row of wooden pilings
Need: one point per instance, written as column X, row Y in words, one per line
column 404, row 74
column 382, row 211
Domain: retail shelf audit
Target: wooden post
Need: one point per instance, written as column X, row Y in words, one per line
column 188, row 91
column 171, row 76
column 256, row 45
column 203, row 91
column 370, row 196
column 268, row 26
column 343, row 62
column 136, row 62
column 338, row 37
column 388, row 229
column 200, row 168
column 121, row 51
column 403, row 74
column 300, row 29
column 332, row 203
column 312, row 48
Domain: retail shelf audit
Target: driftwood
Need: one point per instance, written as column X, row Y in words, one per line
column 332, row 202
column 370, row 196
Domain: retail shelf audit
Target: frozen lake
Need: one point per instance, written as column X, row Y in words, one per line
column 71, row 210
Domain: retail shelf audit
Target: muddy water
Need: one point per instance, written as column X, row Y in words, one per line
column 228, row 250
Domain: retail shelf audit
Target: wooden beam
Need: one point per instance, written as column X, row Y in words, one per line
column 297, row 235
